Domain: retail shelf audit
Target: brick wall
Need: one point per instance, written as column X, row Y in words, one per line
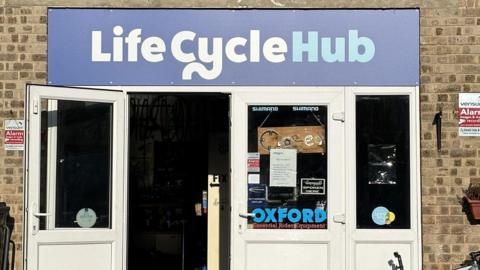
column 450, row 55
column 450, row 63
column 23, row 50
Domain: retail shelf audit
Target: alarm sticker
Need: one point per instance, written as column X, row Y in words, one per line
column 253, row 162
column 469, row 114
column 14, row 135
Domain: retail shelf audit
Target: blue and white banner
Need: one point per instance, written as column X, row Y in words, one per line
column 233, row 47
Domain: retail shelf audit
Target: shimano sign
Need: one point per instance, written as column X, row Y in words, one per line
column 232, row 47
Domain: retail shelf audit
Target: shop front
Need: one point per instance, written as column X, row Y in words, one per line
column 225, row 139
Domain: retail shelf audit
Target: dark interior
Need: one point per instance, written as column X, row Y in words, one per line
column 383, row 159
column 176, row 141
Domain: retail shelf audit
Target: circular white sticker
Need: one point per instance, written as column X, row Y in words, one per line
column 86, row 218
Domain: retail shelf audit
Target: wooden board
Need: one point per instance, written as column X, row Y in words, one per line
column 213, row 241
column 306, row 139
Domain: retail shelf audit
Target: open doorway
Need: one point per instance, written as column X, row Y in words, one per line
column 176, row 141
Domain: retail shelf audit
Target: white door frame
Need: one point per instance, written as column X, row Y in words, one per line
column 334, row 237
column 350, row 92
column 72, row 236
column 411, row 237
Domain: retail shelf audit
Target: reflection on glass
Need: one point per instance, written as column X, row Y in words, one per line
column 76, row 164
column 43, row 162
column 383, row 162
column 287, row 167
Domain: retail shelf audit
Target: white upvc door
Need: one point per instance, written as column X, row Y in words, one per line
column 284, row 189
column 385, row 117
column 75, row 179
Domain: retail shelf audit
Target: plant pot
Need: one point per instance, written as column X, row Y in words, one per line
column 474, row 208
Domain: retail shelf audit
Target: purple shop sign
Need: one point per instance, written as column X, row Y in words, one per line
column 233, row 47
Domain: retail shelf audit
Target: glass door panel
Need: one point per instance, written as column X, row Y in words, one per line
column 75, row 206
column 288, row 179
column 287, row 166
column 76, row 164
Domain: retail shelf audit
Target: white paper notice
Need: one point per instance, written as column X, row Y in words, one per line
column 283, row 167
column 254, row 178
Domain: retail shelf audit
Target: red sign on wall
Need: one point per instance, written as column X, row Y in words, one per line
column 470, row 117
column 469, row 114
column 14, row 135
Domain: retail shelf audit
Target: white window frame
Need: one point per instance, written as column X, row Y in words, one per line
column 413, row 236
column 32, row 173
column 410, row 236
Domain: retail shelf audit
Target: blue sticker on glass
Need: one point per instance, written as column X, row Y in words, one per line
column 257, row 195
column 380, row 215
column 292, row 215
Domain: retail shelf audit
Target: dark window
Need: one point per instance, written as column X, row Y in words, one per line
column 83, row 169
column 383, row 162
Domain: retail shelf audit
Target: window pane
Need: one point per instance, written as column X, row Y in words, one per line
column 76, row 164
column 287, row 167
column 383, row 162
column 43, row 162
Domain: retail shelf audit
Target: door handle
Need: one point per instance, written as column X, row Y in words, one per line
column 246, row 215
column 36, row 225
column 339, row 218
column 41, row 215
